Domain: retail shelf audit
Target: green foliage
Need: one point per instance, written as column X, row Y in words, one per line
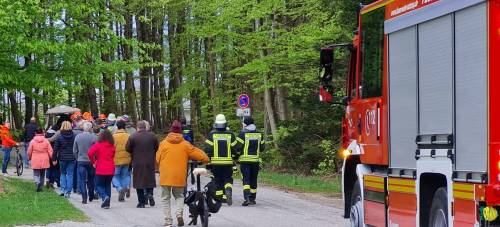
column 21, row 205
column 301, row 183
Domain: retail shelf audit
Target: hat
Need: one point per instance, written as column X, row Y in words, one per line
column 102, row 116
column 220, row 119
column 125, row 118
column 111, row 117
column 87, row 116
column 248, row 121
column 176, row 127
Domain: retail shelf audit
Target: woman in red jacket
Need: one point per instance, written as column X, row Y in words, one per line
column 101, row 155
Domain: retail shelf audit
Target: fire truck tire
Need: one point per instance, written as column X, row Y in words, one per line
column 439, row 209
column 356, row 212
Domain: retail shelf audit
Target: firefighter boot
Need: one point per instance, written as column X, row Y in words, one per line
column 246, row 195
column 253, row 196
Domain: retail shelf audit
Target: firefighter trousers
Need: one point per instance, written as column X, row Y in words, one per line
column 250, row 172
column 223, row 178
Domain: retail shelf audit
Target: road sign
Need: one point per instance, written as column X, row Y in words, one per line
column 240, row 112
column 243, row 101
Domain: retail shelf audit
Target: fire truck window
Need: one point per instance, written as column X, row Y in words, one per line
column 372, row 52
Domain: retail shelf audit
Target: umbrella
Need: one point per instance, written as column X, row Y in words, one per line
column 62, row 109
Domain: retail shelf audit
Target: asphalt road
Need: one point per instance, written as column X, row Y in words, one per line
column 274, row 208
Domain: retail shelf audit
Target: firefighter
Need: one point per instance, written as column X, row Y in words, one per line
column 252, row 144
column 187, row 132
column 220, row 146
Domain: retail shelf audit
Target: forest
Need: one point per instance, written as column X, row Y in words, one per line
column 159, row 60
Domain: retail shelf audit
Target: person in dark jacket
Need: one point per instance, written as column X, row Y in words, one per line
column 187, row 132
column 54, row 172
column 28, row 134
column 63, row 151
column 251, row 145
column 142, row 146
column 220, row 146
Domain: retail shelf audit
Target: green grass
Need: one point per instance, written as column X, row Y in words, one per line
column 315, row 184
column 21, row 205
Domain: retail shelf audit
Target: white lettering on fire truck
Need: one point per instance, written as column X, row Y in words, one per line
column 370, row 120
column 406, row 8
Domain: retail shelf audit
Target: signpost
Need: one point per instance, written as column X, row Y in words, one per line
column 243, row 103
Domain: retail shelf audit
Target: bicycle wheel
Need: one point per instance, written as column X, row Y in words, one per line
column 205, row 215
column 20, row 168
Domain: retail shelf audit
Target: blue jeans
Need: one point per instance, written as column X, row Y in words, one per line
column 26, row 160
column 86, row 173
column 121, row 180
column 6, row 158
column 103, row 185
column 67, row 168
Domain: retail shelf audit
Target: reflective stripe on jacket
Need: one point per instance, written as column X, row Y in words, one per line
column 253, row 144
column 220, row 146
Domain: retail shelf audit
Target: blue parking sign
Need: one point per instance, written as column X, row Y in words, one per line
column 243, row 101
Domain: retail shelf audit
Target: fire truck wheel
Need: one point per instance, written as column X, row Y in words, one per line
column 356, row 206
column 439, row 209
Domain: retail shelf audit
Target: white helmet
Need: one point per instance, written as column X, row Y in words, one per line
column 220, row 119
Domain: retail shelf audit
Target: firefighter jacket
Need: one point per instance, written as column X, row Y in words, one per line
column 220, row 147
column 252, row 143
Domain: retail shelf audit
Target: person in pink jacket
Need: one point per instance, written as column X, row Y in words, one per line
column 101, row 155
column 40, row 154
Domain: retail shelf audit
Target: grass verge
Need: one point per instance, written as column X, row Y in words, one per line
column 21, row 205
column 315, row 184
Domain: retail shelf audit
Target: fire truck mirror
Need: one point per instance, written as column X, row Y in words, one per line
column 326, row 57
column 326, row 74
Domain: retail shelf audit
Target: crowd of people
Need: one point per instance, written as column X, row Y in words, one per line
column 80, row 154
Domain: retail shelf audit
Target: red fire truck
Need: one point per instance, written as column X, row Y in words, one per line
column 421, row 130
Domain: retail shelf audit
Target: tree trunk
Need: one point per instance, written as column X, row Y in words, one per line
column 109, row 91
column 28, row 102
column 268, row 99
column 92, row 99
column 211, row 72
column 142, row 35
column 282, row 104
column 36, row 108
column 14, row 108
column 157, row 32
column 129, row 77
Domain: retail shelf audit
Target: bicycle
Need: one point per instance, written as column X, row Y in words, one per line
column 201, row 203
column 19, row 161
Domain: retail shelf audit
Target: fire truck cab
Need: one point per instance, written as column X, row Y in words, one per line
column 421, row 130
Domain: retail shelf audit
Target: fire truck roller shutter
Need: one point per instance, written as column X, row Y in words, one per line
column 471, row 88
column 403, row 97
column 435, row 41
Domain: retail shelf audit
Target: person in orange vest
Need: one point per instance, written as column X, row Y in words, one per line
column 7, row 144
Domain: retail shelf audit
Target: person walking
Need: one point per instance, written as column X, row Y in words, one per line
column 63, row 149
column 172, row 158
column 142, row 146
column 252, row 144
column 7, row 144
column 121, row 180
column 54, row 172
column 86, row 171
column 78, row 129
column 129, row 126
column 101, row 155
column 187, row 131
column 39, row 153
column 220, row 145
column 28, row 134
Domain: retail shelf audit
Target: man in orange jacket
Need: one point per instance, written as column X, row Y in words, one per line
column 172, row 157
column 7, row 144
